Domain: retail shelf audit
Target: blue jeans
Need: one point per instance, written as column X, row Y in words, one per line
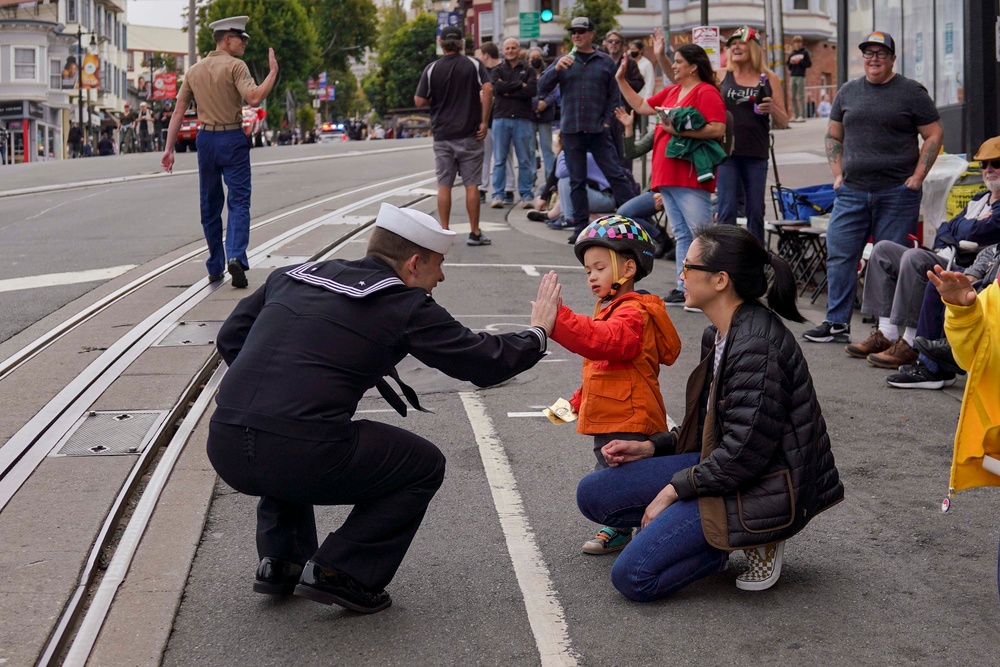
column 597, row 201
column 543, row 135
column 670, row 552
column 884, row 215
column 576, row 145
column 641, row 209
column 751, row 173
column 689, row 211
column 224, row 155
column 518, row 131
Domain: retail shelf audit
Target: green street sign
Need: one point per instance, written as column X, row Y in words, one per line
column 529, row 25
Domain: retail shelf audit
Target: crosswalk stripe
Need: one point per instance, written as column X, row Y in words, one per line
column 72, row 278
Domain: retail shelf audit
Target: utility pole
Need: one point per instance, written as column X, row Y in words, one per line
column 192, row 33
column 704, row 11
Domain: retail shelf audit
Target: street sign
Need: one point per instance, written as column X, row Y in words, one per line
column 529, row 25
column 707, row 37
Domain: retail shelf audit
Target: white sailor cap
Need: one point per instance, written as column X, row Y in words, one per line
column 415, row 226
column 234, row 23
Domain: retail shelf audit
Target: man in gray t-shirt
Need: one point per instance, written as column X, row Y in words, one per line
column 878, row 170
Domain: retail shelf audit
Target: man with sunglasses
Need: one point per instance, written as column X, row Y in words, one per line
column 221, row 83
column 878, row 171
column 586, row 80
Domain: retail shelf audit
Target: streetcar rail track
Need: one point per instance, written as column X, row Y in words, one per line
column 22, row 454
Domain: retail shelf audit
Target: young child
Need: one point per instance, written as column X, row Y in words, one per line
column 623, row 345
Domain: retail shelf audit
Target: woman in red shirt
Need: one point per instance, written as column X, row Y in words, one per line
column 686, row 201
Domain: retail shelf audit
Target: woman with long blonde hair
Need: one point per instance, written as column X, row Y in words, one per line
column 745, row 170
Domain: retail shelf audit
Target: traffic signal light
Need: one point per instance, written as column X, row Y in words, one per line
column 546, row 13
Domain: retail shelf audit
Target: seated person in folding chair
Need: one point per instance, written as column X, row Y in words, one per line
column 936, row 367
column 600, row 198
column 897, row 275
column 644, row 206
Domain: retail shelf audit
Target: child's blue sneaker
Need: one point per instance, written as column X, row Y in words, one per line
column 608, row 540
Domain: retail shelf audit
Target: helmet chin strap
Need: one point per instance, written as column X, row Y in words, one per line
column 616, row 283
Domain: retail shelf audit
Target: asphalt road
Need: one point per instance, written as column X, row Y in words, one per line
column 884, row 578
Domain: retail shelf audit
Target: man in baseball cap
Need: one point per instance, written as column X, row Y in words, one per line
column 302, row 351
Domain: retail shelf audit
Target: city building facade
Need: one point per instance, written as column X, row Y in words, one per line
column 44, row 48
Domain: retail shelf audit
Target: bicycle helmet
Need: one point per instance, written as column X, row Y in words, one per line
column 619, row 234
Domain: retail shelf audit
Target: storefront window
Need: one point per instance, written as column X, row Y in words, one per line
column 950, row 50
column 40, row 142
column 918, row 55
column 860, row 22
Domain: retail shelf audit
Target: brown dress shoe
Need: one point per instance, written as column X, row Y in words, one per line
column 875, row 343
column 899, row 353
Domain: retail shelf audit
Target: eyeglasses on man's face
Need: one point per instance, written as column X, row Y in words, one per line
column 993, row 164
column 877, row 55
column 613, row 41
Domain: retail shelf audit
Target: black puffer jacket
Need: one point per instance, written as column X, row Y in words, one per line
column 767, row 458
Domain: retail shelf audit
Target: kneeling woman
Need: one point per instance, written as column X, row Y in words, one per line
column 751, row 464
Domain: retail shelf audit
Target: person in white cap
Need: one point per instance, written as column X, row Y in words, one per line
column 221, row 83
column 302, row 350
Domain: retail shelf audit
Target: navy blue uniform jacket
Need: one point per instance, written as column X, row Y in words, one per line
column 304, row 348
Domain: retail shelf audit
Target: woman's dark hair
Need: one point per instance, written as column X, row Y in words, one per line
column 738, row 252
column 696, row 55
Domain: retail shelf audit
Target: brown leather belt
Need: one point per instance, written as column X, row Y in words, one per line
column 221, row 128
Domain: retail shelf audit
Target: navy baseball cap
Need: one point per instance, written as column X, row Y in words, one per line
column 879, row 38
column 451, row 32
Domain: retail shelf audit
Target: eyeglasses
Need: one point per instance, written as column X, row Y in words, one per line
column 578, row 31
column 877, row 55
column 696, row 267
column 994, row 164
column 613, row 41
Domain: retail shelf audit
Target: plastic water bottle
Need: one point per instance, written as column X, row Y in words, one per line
column 760, row 93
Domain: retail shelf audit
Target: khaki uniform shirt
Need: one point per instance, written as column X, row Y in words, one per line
column 219, row 83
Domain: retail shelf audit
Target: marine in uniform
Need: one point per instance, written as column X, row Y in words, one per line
column 302, row 350
column 220, row 83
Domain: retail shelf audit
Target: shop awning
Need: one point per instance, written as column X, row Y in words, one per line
column 15, row 3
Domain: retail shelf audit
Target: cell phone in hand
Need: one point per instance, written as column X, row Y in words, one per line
column 664, row 117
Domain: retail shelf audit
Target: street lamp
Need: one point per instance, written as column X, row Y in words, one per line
column 79, row 77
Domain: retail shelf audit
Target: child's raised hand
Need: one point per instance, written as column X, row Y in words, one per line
column 618, row 452
column 954, row 287
column 546, row 304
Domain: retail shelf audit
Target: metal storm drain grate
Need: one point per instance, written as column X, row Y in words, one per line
column 111, row 433
column 190, row 333
column 276, row 261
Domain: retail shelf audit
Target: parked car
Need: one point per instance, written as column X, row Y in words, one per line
column 188, row 132
column 330, row 132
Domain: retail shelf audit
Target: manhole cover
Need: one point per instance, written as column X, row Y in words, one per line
column 111, row 433
column 190, row 333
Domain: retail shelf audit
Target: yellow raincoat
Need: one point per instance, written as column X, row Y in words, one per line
column 974, row 334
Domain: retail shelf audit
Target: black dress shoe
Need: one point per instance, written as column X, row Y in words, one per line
column 940, row 352
column 538, row 216
column 335, row 587
column 238, row 273
column 215, row 277
column 276, row 577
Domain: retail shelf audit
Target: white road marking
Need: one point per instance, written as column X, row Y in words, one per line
column 545, row 614
column 526, row 414
column 530, row 270
column 53, row 279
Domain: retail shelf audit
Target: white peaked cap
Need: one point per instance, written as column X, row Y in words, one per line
column 238, row 23
column 415, row 226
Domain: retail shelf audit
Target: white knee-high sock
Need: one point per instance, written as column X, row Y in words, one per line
column 888, row 329
column 909, row 334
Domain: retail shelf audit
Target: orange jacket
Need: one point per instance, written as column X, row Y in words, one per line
column 623, row 347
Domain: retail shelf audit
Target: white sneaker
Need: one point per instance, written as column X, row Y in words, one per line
column 764, row 567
